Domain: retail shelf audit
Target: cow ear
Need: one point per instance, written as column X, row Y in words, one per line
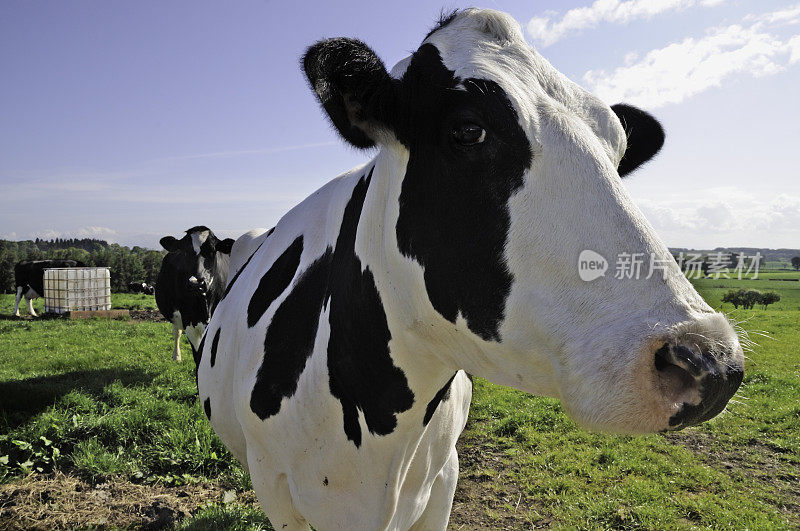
column 352, row 85
column 169, row 243
column 224, row 246
column 645, row 137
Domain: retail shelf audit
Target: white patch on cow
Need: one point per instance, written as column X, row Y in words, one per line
column 194, row 333
column 177, row 330
column 243, row 248
column 16, row 301
column 198, row 239
column 400, row 68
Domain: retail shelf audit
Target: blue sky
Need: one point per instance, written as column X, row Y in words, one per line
column 131, row 120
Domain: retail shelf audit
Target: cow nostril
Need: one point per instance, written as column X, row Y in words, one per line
column 662, row 357
column 678, row 384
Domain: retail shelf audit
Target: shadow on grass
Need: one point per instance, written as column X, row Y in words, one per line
column 22, row 399
column 26, row 317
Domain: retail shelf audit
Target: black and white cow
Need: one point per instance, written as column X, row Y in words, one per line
column 141, row 287
column 29, row 280
column 191, row 281
column 335, row 365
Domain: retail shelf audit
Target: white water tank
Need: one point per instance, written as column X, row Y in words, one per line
column 77, row 288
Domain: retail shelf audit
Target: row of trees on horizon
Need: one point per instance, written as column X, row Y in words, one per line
column 139, row 264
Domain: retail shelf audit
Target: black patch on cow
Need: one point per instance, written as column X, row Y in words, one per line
column 454, row 217
column 362, row 374
column 29, row 274
column 197, row 354
column 445, row 18
column 214, row 344
column 325, row 481
column 348, row 79
column 645, row 137
column 290, row 339
column 275, row 281
column 207, row 407
column 441, row 395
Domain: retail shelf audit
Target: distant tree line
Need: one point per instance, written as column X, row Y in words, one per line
column 747, row 298
column 126, row 265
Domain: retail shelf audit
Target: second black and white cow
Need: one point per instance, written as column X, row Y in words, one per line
column 29, row 280
column 141, row 287
column 191, row 281
column 335, row 366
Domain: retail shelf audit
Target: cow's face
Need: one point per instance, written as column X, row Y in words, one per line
column 507, row 172
column 196, row 257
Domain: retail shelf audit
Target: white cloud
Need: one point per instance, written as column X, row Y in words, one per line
column 100, row 233
column 48, row 234
column 790, row 15
column 724, row 217
column 686, row 68
column 544, row 30
column 794, row 49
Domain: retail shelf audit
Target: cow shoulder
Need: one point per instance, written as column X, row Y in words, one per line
column 362, row 374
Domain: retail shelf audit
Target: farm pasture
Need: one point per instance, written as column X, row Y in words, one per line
column 125, row 421
column 785, row 283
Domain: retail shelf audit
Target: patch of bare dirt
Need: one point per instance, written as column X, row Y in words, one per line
column 487, row 497
column 58, row 501
column 147, row 314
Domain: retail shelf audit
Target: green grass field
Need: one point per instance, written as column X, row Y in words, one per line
column 102, row 402
column 785, row 283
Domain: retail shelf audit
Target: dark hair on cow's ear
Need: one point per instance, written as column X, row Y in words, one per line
column 645, row 137
column 352, row 85
column 225, row 246
column 169, row 243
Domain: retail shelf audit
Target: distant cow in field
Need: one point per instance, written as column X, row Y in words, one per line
column 335, row 366
column 29, row 280
column 140, row 287
column 191, row 281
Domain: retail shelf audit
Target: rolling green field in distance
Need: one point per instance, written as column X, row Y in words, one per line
column 102, row 400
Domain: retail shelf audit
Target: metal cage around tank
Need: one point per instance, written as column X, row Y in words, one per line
column 77, row 289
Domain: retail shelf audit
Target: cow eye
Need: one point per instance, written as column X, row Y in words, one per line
column 469, row 134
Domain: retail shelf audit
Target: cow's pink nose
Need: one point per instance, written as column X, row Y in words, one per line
column 697, row 382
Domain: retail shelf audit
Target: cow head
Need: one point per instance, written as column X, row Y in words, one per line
column 506, row 175
column 198, row 258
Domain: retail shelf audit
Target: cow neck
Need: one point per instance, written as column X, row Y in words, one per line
column 399, row 280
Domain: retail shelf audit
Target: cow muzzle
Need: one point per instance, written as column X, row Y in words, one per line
column 697, row 378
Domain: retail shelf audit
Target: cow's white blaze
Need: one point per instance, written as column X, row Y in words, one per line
column 198, row 239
